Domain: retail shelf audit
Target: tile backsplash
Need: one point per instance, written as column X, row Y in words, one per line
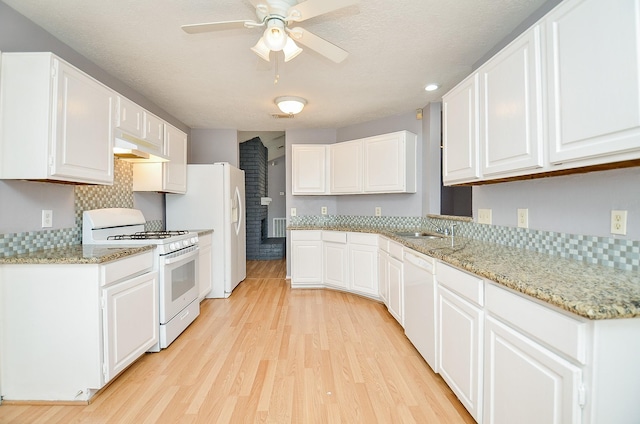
column 87, row 197
column 611, row 252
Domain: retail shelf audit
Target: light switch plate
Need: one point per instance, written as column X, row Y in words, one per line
column 294, row 212
column 484, row 216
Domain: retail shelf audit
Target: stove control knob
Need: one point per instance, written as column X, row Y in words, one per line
column 185, row 242
column 172, row 246
column 194, row 240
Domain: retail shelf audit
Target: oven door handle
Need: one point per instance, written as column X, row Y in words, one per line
column 186, row 257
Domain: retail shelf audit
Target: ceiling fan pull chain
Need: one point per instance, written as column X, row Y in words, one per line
column 277, row 75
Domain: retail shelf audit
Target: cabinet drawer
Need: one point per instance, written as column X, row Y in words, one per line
column 362, row 238
column 467, row 285
column 123, row 268
column 557, row 330
column 383, row 244
column 306, row 235
column 334, row 236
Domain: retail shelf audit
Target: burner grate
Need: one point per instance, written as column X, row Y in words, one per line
column 148, row 235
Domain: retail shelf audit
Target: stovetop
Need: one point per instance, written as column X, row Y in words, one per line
column 148, row 235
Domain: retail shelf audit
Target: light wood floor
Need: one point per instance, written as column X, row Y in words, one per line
column 275, row 355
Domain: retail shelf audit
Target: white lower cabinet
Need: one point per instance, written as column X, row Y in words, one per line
column 460, row 329
column 390, row 281
column 88, row 322
column 526, row 383
column 306, row 258
column 394, row 304
column 335, row 264
column 363, row 263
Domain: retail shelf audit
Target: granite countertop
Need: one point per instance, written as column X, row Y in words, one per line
column 75, row 254
column 591, row 291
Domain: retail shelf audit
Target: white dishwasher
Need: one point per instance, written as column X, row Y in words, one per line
column 420, row 304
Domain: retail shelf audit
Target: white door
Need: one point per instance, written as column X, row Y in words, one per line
column 133, row 301
column 236, row 227
column 593, row 63
column 460, row 344
column 526, row 383
column 83, row 140
column 335, row 264
column 363, row 261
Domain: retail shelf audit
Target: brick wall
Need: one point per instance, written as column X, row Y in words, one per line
column 253, row 160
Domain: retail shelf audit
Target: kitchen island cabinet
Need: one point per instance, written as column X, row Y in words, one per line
column 70, row 328
column 56, row 122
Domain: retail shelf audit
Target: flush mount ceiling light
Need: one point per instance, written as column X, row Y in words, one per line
column 432, row 87
column 290, row 104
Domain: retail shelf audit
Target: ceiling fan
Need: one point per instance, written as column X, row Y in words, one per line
column 276, row 15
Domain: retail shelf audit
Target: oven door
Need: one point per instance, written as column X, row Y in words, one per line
column 178, row 282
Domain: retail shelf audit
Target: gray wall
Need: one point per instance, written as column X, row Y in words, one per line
column 574, row 204
column 277, row 181
column 214, row 145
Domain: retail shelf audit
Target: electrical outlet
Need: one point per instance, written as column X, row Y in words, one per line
column 523, row 218
column 619, row 222
column 378, row 211
column 323, row 210
column 294, row 212
column 47, row 219
column 484, row 216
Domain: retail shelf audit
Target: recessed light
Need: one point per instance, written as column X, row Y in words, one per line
column 431, row 87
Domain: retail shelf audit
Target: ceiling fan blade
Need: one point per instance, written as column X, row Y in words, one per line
column 320, row 45
column 311, row 8
column 217, row 26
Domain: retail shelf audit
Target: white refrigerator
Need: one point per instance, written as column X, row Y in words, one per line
column 215, row 200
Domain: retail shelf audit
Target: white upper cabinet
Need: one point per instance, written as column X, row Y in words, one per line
column 136, row 125
column 309, row 169
column 165, row 177
column 56, row 122
column 511, row 132
column 129, row 117
column 379, row 164
column 345, row 169
column 593, row 63
column 460, row 133
column 390, row 163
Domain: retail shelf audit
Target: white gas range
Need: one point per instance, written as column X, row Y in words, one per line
column 176, row 260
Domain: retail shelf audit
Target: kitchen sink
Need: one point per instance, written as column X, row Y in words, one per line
column 419, row 235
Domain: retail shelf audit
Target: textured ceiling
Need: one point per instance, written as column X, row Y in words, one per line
column 213, row 80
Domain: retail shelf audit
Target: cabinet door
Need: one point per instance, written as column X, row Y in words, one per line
column 129, row 117
column 363, row 261
column 309, row 169
column 396, row 294
column 306, row 262
column 511, row 133
column 345, row 161
column 83, row 145
column 132, row 301
column 385, row 163
column 153, row 131
column 593, row 63
column 460, row 133
column 175, row 171
column 335, row 264
column 460, row 344
column 526, row 383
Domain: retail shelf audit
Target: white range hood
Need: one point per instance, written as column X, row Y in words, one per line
column 134, row 149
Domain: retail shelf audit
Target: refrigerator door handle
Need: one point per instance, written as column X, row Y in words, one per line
column 238, row 210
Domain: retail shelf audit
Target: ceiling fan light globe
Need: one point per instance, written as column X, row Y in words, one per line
column 291, row 49
column 275, row 36
column 290, row 104
column 261, row 49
